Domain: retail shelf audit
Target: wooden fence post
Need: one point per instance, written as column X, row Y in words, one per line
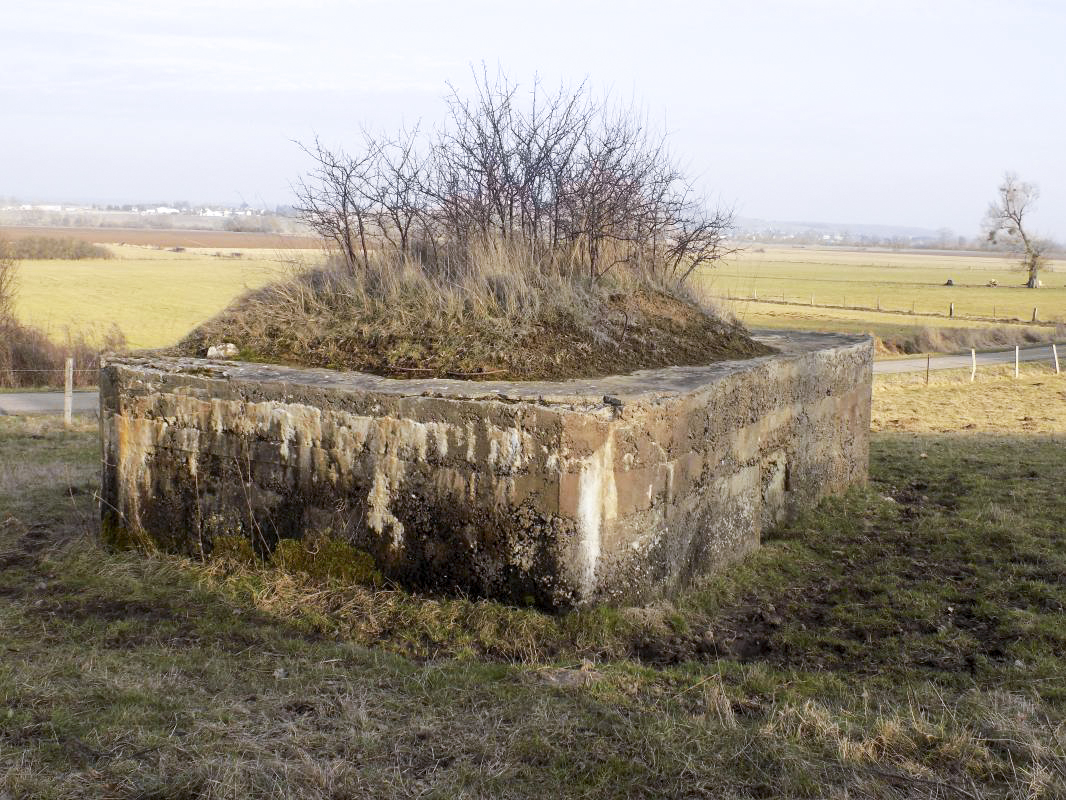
column 68, row 392
column 973, row 364
column 1034, row 313
column 1015, row 361
column 1055, row 354
column 928, row 359
column 951, row 310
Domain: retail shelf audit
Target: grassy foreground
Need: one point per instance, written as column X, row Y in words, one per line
column 907, row 640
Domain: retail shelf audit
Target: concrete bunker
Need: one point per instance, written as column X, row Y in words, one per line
column 615, row 489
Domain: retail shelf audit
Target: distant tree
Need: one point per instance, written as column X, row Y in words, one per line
column 1006, row 220
column 945, row 238
column 8, row 268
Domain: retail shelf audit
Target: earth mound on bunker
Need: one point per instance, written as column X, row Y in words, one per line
column 560, row 337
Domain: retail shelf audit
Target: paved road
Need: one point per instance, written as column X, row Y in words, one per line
column 1040, row 353
column 88, row 402
column 47, row 402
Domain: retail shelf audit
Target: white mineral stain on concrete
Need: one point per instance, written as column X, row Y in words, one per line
column 597, row 504
column 471, row 439
column 378, row 514
column 439, row 432
column 508, row 448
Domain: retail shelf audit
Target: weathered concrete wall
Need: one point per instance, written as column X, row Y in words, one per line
column 558, row 493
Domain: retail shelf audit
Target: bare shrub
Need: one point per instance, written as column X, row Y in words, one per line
column 586, row 187
column 54, row 247
column 28, row 357
column 8, row 281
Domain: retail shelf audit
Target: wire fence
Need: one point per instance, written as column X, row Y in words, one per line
column 886, row 305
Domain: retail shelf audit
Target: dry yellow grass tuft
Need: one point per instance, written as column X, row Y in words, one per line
column 996, row 402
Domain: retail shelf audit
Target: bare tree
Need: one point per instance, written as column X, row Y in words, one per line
column 336, row 200
column 1006, row 219
column 8, row 286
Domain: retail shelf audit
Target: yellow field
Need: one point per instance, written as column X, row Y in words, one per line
column 996, row 402
column 904, row 281
column 154, row 296
column 883, row 324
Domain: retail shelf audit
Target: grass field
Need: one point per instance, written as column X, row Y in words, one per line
column 996, row 402
column 167, row 237
column 155, row 296
column 900, row 282
column 882, row 324
column 904, row 641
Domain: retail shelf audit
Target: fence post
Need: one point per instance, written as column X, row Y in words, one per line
column 68, row 392
column 1055, row 353
column 951, row 310
column 1015, row 361
column 1034, row 313
column 973, row 364
column 927, row 360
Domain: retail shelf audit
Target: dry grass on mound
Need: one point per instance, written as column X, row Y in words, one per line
column 510, row 322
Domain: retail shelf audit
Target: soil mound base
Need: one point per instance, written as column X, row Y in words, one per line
column 560, row 336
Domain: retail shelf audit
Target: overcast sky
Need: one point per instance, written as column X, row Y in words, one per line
column 897, row 112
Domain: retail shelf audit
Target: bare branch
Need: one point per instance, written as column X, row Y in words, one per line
column 587, row 187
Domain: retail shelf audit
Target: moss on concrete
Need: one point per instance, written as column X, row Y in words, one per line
column 326, row 557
